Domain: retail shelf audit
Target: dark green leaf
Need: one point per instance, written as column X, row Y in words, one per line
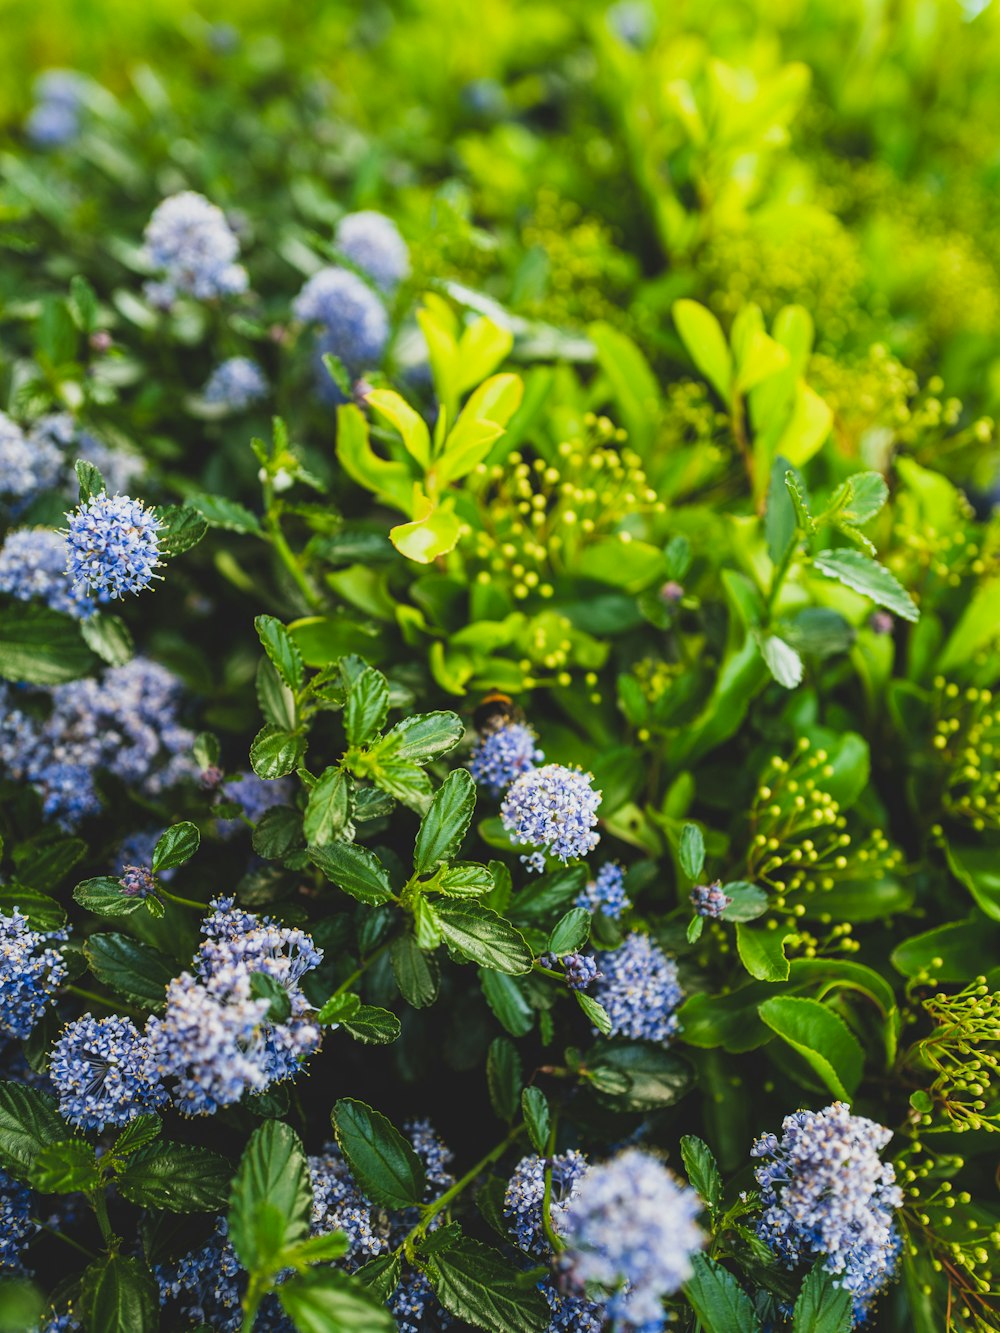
column 416, row 974
column 823, row 1040
column 718, row 1299
column 372, row 1025
column 28, row 1123
column 476, row 933
column 136, row 1134
column 823, row 1306
column 47, row 859
column 329, row 808
column 354, row 869
column 367, row 706
column 570, row 933
column 41, row 646
column 691, row 851
column 702, row 1170
column 762, row 952
column 867, row 576
column 180, row 529
column 504, row 1077
column 177, row 1177
column 89, row 477
column 278, row 833
column 646, row 1076
column 535, row 1109
column 326, row 1300
column 220, row 512
column 338, row 1007
column 127, row 965
column 422, row 737
column 105, row 897
column 65, row 1167
column 175, row 846
column 478, row 1285
column 119, row 1295
column 446, row 823
column 274, row 752
column 595, row 1012
column 43, row 912
column 273, row 1174
column 505, row 996
column 384, row 1166
column 381, row 1274
column 109, row 637
column 281, row 649
column 465, row 879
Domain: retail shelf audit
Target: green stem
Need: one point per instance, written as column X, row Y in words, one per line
column 100, row 1206
column 555, row 1241
column 59, row 1235
column 181, row 902
column 288, row 558
column 432, row 1209
column 93, row 996
column 361, row 969
column 251, row 1301
column 778, row 578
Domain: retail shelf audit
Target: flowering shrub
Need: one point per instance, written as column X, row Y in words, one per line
column 498, row 670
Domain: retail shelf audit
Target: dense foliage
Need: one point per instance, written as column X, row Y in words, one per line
column 499, row 605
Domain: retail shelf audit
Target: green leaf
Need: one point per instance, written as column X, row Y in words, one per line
column 646, row 1076
column 354, row 869
column 41, row 647
column 282, row 650
column 45, row 860
column 89, row 477
column 383, row 1164
column 537, row 1117
column 978, row 870
column 633, row 383
column 65, row 1167
column 276, row 700
column 464, row 879
column 82, row 303
column 867, row 576
column 718, row 1299
column 823, row 1040
column 422, row 737
column 822, row 1306
column 762, row 952
column 483, row 937
column 781, row 659
column 278, row 833
column 273, row 1175
column 21, row 1305
column 367, row 706
column 595, row 1012
column 506, row 998
column 478, row 1285
column 220, row 512
column 109, row 638
column 434, row 533
column 952, row 952
column 326, row 1300
column 43, row 912
column 381, row 1274
column 136, row 1134
column 504, row 1077
column 28, row 1123
column 416, row 974
column 409, row 423
column 119, row 1295
column 372, row 1025
column 337, row 371
column 180, row 529
column 570, row 933
column 104, row 896
column 978, row 625
column 702, row 336
column 702, row 1170
column 265, row 987
column 329, row 808
column 274, row 753
column 779, row 515
column 446, row 823
column 866, row 495
column 176, row 1177
column 691, row 851
column 175, row 846
column 748, row 901
column 127, row 965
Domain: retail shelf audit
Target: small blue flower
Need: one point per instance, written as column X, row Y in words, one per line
column 137, row 850
column 103, row 1073
column 30, row 973
column 137, row 882
column 26, row 466
column 522, row 1204
column 639, row 990
column 354, row 324
column 708, row 900
column 338, row 1205
column 631, row 1229
column 415, row 1307
column 503, row 754
column 113, row 546
column 372, row 242
column 827, row 1195
column 16, row 1225
column 189, row 240
column 33, row 567
column 553, row 808
column 581, row 970
column 236, row 384
column 207, row 1283
column 606, row 893
column 256, row 796
column 55, row 117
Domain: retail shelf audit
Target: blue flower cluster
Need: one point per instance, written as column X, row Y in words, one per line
column 16, row 1226
column 256, row 796
column 502, row 754
column 708, row 900
column 216, row 1040
column 137, row 881
column 631, row 1229
column 33, row 568
column 103, row 1073
column 125, row 722
column 190, row 242
column 639, row 990
column 552, row 808
column 372, row 241
column 338, row 1205
column 113, row 546
column 416, row 1308
column 55, row 118
column 606, row 893
column 207, row 1284
column 827, row 1195
column 27, row 465
column 354, row 326
column 236, row 384
column 522, row 1204
column 30, row 973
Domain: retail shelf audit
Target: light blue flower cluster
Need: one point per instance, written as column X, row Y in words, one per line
column 552, row 808
column 190, row 242
column 256, row 796
column 338, row 1205
column 137, row 881
column 236, row 384
column 708, row 900
column 16, row 1226
column 639, row 990
column 827, row 1195
column 581, row 970
column 216, row 1040
column 631, row 1229
column 103, row 1073
column 113, row 546
column 522, row 1203
column 55, row 118
column 606, row 893
column 207, row 1283
column 30, row 973
column 372, row 242
column 502, row 754
column 415, row 1307
column 125, row 722
column 353, row 322
column 60, row 432
column 27, row 466
column 33, row 568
